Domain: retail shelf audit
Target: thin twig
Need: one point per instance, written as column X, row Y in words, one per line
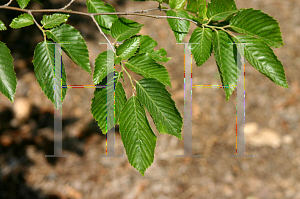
column 62, row 10
column 8, row 3
column 145, row 11
column 143, row 15
column 38, row 25
column 152, row 9
column 102, row 33
column 95, row 14
column 68, row 4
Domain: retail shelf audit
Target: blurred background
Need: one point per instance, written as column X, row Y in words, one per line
column 271, row 133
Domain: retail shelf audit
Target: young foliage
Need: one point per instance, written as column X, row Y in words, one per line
column 225, row 55
column 22, row 21
column 197, row 7
column 177, row 4
column 179, row 27
column 262, row 58
column 202, row 50
column 99, row 103
column 72, row 44
column 104, row 21
column 128, row 48
column 160, row 55
column 255, row 23
column 101, row 63
column 137, row 136
column 220, row 9
column 43, row 63
column 144, row 65
column 51, row 21
column 157, row 99
column 147, row 44
column 216, row 22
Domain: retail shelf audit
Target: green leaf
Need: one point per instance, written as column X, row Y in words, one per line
column 101, row 62
column 8, row 79
column 156, row 98
column 220, row 9
column 262, row 57
column 137, row 136
column 144, row 65
column 147, row 44
column 198, row 7
column 75, row 48
column 177, row 4
column 193, row 5
column 117, row 77
column 128, row 48
column 255, row 23
column 121, row 99
column 118, row 60
column 179, row 27
column 105, row 21
column 203, row 50
column 124, row 28
column 22, row 21
column 192, row 17
column 160, row 55
column 99, row 104
column 23, row 3
column 2, row 26
column 43, row 62
column 51, row 21
column 225, row 56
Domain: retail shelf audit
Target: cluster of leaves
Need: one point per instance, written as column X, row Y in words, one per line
column 216, row 22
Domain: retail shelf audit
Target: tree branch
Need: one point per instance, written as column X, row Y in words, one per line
column 8, row 3
column 102, row 33
column 38, row 25
column 137, row 13
column 68, row 4
column 62, row 10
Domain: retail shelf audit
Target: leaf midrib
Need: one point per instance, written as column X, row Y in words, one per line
column 231, row 11
column 252, row 56
column 142, row 72
column 156, row 106
column 259, row 37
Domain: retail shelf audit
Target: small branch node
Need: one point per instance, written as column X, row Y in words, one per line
column 68, row 5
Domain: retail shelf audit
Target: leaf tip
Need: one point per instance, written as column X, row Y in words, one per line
column 227, row 98
column 143, row 173
column 11, row 98
column 286, row 85
column 180, row 137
